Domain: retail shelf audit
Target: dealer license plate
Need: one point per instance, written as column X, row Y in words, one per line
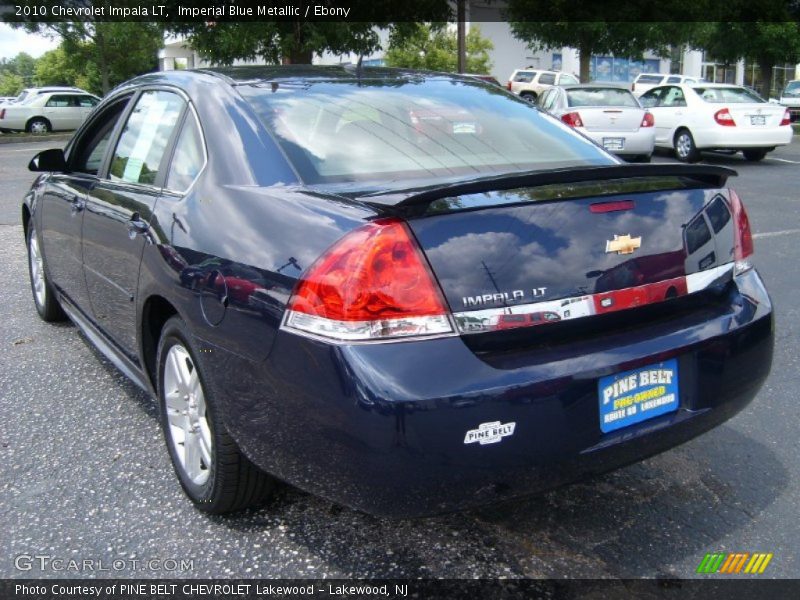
column 637, row 395
column 614, row 143
column 758, row 120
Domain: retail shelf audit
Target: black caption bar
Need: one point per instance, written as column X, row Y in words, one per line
column 512, row 589
column 390, row 11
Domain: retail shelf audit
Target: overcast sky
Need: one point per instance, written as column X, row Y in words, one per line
column 14, row 41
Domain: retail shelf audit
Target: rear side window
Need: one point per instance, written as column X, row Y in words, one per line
column 547, row 78
column 86, row 101
column 524, row 76
column 718, row 214
column 61, row 101
column 673, row 79
column 697, row 235
column 189, row 157
column 140, row 150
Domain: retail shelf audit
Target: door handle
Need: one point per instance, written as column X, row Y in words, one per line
column 136, row 225
column 77, row 205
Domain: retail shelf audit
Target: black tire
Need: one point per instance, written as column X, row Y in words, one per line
column 38, row 125
column 684, row 146
column 46, row 302
column 639, row 158
column 233, row 482
column 755, row 154
column 529, row 96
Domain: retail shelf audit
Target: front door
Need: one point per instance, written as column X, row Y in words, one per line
column 118, row 211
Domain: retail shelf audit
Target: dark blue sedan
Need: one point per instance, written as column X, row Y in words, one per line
column 406, row 292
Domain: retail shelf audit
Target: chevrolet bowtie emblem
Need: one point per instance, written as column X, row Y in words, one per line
column 623, row 244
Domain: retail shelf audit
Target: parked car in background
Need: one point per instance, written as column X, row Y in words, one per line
column 609, row 115
column 48, row 111
column 790, row 98
column 312, row 270
column 647, row 81
column 716, row 116
column 531, row 83
column 29, row 93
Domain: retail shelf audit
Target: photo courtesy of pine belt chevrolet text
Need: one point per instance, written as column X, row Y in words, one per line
column 408, row 293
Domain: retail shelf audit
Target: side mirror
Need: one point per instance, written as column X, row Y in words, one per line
column 49, row 161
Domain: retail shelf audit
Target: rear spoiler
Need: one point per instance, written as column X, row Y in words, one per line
column 706, row 175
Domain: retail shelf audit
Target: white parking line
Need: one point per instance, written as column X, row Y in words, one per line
column 794, row 162
column 775, row 233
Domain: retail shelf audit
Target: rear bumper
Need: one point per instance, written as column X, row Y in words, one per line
column 637, row 143
column 766, row 137
column 381, row 427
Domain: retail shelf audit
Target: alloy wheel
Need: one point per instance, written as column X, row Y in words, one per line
column 37, row 270
column 188, row 427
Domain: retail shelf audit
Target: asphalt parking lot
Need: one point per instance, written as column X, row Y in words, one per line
column 84, row 473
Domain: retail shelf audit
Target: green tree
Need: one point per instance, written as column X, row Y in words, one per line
column 434, row 47
column 116, row 51
column 766, row 43
column 11, row 84
column 638, row 26
column 23, row 65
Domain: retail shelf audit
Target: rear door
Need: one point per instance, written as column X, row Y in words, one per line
column 63, row 112
column 119, row 208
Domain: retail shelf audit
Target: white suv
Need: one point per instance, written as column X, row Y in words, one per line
column 531, row 83
column 647, row 81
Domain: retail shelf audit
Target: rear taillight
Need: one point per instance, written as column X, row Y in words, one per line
column 743, row 237
column 373, row 284
column 723, row 117
column 633, row 87
column 648, row 120
column 572, row 119
column 2, row 113
column 787, row 118
column 508, row 86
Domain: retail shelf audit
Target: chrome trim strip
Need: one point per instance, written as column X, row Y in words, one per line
column 576, row 307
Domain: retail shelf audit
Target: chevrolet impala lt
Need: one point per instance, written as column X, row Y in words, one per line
column 406, row 292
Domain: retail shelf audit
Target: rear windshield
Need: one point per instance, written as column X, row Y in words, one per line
column 373, row 130
column 649, row 79
column 601, row 97
column 524, row 76
column 727, row 95
column 792, row 88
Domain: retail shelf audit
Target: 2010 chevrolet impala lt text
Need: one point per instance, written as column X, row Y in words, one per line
column 406, row 292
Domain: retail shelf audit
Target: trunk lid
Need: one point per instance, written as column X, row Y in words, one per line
column 543, row 254
column 753, row 116
column 608, row 118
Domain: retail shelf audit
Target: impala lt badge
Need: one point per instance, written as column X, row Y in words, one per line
column 623, row 244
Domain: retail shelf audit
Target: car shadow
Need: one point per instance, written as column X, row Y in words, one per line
column 644, row 520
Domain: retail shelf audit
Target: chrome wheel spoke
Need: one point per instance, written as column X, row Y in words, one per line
column 185, row 408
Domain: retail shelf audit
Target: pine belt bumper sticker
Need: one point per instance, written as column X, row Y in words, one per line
column 637, row 395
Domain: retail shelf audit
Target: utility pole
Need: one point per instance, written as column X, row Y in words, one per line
column 461, row 16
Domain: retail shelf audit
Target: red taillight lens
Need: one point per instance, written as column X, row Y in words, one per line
column 787, row 118
column 743, row 237
column 633, row 87
column 3, row 113
column 572, row 119
column 724, row 117
column 372, row 284
column 508, row 86
column 648, row 120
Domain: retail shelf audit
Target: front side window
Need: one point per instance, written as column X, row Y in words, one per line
column 140, row 150
column 673, row 97
column 189, row 157
column 87, row 101
column 90, row 148
column 373, row 129
column 651, row 98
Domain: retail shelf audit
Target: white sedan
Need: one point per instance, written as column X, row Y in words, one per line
column 712, row 116
column 609, row 115
column 55, row 111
